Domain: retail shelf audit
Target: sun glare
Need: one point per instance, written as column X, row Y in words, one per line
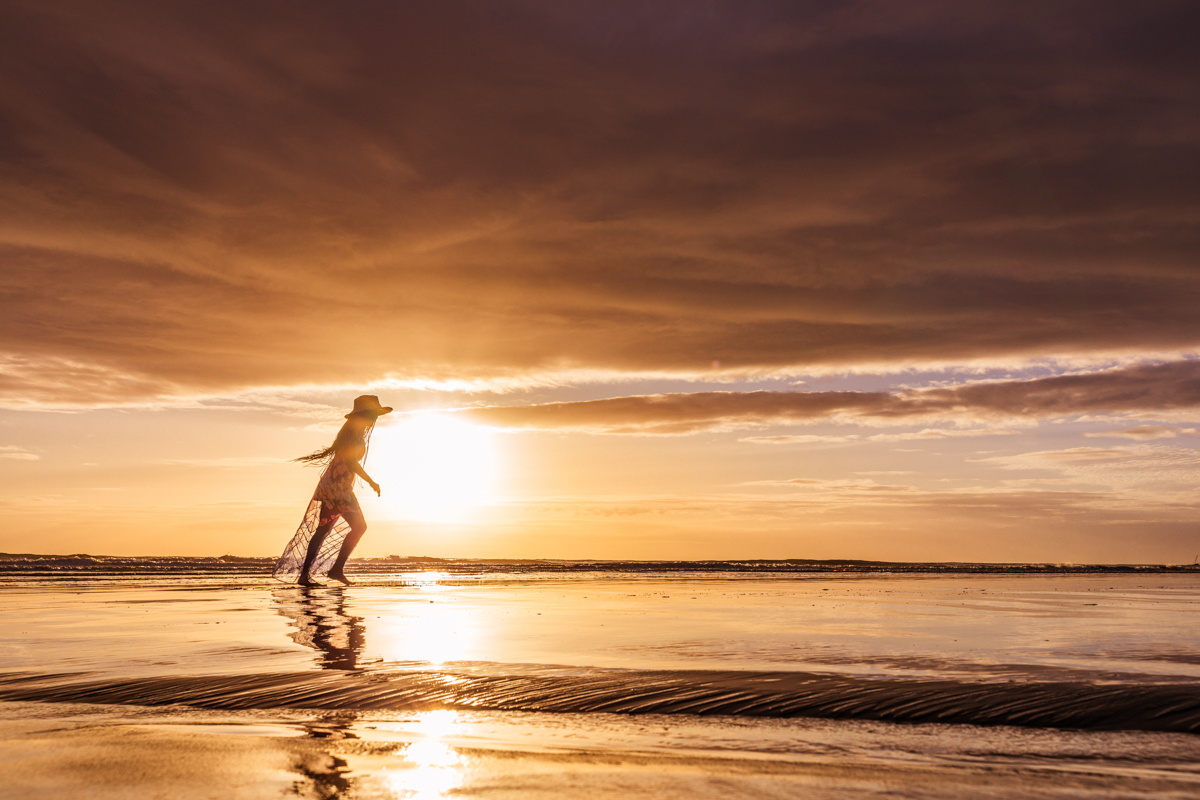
column 433, row 468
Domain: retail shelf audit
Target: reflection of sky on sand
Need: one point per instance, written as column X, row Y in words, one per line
column 903, row 626
column 433, row 771
column 435, row 633
column 426, row 626
column 441, row 754
column 180, row 752
column 411, row 755
column 422, row 766
column 939, row 627
column 433, row 630
column 983, row 628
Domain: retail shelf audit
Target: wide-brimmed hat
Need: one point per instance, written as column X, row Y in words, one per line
column 368, row 406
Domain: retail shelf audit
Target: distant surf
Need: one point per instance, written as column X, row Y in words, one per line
column 397, row 568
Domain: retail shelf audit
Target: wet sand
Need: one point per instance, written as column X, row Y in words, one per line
column 660, row 686
column 95, row 751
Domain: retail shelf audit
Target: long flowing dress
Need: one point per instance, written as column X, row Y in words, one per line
column 333, row 497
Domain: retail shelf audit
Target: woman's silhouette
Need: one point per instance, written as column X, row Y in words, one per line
column 333, row 523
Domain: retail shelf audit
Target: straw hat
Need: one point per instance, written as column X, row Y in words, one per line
column 368, row 406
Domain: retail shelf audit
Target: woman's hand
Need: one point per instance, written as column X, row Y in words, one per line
column 374, row 486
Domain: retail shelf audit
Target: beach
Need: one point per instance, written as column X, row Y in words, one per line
column 697, row 400
column 442, row 679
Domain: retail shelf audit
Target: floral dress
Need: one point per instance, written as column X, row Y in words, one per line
column 335, row 490
column 332, row 500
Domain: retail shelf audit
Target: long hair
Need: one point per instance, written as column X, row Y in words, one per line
column 346, row 437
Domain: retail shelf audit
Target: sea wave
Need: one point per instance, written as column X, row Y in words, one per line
column 1146, row 707
column 393, row 568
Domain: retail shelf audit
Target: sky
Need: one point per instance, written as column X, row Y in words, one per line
column 660, row 280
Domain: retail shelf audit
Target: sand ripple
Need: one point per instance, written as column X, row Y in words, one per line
column 1147, row 707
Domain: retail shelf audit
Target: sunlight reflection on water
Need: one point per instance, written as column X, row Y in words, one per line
column 433, row 632
column 431, row 767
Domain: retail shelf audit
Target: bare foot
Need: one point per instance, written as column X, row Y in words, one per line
column 307, row 582
column 339, row 575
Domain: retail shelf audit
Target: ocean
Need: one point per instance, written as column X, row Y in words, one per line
column 440, row 678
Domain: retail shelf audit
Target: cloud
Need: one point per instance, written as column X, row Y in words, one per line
column 1143, row 432
column 206, row 197
column 232, row 462
column 928, row 433
column 1138, row 467
column 678, row 413
column 799, row 439
column 851, row 502
column 15, row 453
column 940, row 433
column 1145, row 387
column 1170, row 386
column 840, row 485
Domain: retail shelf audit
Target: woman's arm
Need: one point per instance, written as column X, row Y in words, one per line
column 362, row 473
column 352, row 458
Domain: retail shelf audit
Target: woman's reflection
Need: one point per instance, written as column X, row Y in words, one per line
column 322, row 623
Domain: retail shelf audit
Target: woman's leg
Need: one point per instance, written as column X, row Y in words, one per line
column 358, row 526
column 314, row 549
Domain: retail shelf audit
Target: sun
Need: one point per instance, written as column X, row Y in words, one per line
column 433, row 468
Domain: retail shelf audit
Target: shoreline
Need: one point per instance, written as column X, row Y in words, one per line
column 30, row 563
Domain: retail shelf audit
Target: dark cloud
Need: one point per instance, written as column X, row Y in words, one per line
column 1143, row 388
column 218, row 195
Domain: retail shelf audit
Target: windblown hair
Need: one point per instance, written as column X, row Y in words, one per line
column 346, row 437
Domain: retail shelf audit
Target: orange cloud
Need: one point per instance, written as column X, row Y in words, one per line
column 801, row 439
column 1144, row 388
column 1142, row 466
column 1143, row 432
column 15, row 453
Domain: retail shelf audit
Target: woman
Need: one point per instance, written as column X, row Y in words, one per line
column 334, row 523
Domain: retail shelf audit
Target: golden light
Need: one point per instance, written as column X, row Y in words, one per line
column 434, row 632
column 431, row 769
column 433, row 468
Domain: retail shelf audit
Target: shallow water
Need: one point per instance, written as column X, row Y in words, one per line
column 692, row 683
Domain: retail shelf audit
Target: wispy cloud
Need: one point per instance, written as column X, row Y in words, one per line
column 1143, row 432
column 15, row 453
column 801, row 439
column 1128, row 466
column 232, row 462
column 941, row 433
column 839, row 485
